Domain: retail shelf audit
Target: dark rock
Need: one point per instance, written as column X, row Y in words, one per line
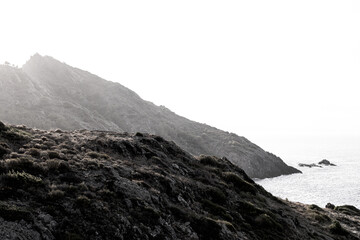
column 326, row 163
column 2, row 127
column 323, row 162
column 330, row 206
column 309, row 165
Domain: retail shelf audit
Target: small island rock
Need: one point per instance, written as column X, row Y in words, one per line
column 326, row 163
column 309, row 165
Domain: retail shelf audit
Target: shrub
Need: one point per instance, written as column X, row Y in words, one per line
column 56, row 165
column 216, row 209
column 97, row 155
column 315, row 207
column 14, row 213
column 106, row 193
column 239, row 183
column 14, row 134
column 82, row 200
column 180, row 212
column 146, row 215
column 53, row 154
column 216, row 195
column 23, row 164
column 348, row 209
column 321, row 218
column 227, row 224
column 93, row 154
column 208, row 228
column 33, row 152
column 20, row 179
column 72, row 236
column 264, row 220
column 337, row 229
column 56, row 194
column 91, row 163
column 248, row 209
column 18, row 164
column 209, row 160
column 4, row 149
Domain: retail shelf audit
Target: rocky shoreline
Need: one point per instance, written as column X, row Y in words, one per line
column 106, row 185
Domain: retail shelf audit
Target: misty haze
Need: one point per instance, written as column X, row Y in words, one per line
column 180, row 120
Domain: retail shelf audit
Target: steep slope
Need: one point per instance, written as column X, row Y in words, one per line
column 75, row 99
column 106, row 185
column 26, row 101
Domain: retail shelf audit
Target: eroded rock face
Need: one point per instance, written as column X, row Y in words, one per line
column 48, row 94
column 107, row 185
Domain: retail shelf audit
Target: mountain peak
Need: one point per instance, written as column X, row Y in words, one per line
column 39, row 59
column 36, row 55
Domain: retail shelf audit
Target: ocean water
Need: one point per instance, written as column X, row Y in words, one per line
column 338, row 185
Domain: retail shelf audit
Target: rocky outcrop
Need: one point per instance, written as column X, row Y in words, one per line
column 326, row 163
column 106, row 185
column 309, row 165
column 349, row 210
column 48, row 94
column 322, row 163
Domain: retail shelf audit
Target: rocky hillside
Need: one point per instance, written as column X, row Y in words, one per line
column 48, row 94
column 105, row 185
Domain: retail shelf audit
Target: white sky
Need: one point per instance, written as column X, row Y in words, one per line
column 256, row 68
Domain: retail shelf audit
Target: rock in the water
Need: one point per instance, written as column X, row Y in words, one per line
column 326, row 163
column 309, row 165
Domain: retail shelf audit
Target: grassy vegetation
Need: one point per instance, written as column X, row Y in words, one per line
column 14, row 213
column 13, row 134
column 20, row 179
column 239, row 183
column 53, row 154
column 210, row 161
column 337, row 229
column 348, row 209
column 97, row 185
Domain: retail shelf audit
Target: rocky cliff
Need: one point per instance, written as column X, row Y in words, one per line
column 48, row 94
column 104, row 185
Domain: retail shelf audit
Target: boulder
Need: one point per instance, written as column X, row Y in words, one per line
column 326, row 163
column 2, row 127
column 330, row 206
